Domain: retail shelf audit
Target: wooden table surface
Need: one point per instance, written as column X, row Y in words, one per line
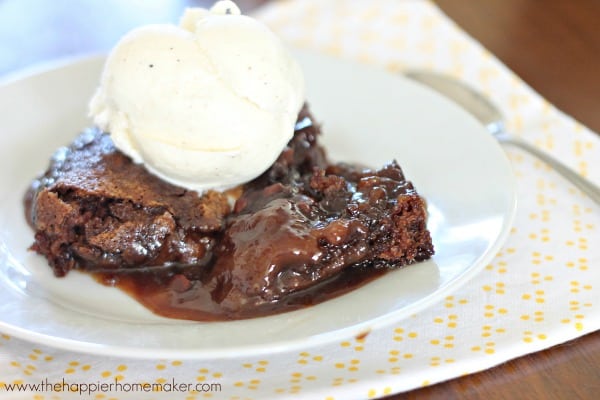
column 554, row 45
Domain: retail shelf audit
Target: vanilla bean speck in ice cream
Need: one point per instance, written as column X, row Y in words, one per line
column 208, row 104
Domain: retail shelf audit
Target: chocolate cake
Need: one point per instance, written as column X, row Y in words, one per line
column 304, row 231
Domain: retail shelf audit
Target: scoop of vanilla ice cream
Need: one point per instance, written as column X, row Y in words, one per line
column 208, row 104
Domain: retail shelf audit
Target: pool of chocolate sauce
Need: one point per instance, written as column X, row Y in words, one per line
column 197, row 303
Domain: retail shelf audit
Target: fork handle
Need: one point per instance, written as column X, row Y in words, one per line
column 579, row 181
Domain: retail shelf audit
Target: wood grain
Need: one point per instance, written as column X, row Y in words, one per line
column 553, row 45
column 569, row 371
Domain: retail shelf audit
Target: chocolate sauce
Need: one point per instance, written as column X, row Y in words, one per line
column 173, row 296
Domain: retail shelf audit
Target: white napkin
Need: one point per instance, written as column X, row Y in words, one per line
column 539, row 291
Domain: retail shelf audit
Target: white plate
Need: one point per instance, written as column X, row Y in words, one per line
column 368, row 116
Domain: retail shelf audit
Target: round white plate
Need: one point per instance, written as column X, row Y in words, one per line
column 368, row 116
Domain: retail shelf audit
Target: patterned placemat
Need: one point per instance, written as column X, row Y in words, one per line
column 540, row 290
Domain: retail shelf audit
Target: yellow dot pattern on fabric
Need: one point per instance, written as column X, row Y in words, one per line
column 540, row 289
